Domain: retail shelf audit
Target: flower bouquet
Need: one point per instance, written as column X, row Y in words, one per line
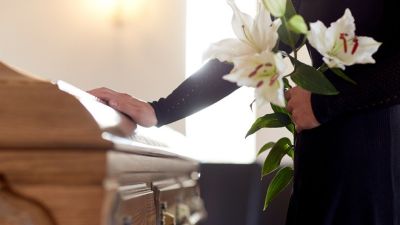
column 263, row 42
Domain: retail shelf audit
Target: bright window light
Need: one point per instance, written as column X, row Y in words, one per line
column 117, row 10
column 218, row 132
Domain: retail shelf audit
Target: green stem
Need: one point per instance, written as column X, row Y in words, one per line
column 303, row 42
column 292, row 44
column 323, row 68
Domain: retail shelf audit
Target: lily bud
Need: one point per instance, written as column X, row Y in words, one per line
column 276, row 7
column 298, row 25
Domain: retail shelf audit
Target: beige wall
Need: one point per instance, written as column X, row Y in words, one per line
column 78, row 41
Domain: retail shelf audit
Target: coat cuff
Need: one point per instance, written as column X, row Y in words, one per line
column 321, row 106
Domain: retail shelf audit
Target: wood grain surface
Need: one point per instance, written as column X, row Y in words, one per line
column 53, row 155
column 68, row 204
column 35, row 113
column 53, row 166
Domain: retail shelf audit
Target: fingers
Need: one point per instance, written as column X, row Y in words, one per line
column 139, row 111
column 101, row 91
column 126, row 104
column 290, row 106
column 120, row 101
column 288, row 94
column 116, row 100
column 104, row 94
column 290, row 102
column 299, row 106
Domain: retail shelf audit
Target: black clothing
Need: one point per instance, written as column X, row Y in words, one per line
column 347, row 171
column 378, row 84
column 200, row 90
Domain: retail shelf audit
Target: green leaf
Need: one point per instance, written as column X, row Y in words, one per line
column 278, row 183
column 291, row 152
column 278, row 109
column 302, row 43
column 311, row 79
column 265, row 147
column 291, row 128
column 298, row 25
column 275, row 156
column 285, row 35
column 276, row 7
column 274, row 120
column 290, row 9
column 286, row 82
column 341, row 74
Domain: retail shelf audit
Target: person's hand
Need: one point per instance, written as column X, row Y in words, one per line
column 141, row 112
column 299, row 105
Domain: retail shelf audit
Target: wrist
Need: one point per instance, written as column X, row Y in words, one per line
column 150, row 115
column 153, row 121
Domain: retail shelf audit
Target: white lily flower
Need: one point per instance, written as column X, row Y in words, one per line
column 262, row 71
column 254, row 35
column 339, row 45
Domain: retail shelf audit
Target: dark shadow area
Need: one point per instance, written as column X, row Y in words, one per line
column 234, row 195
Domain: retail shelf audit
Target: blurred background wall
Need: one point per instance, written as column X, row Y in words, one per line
column 137, row 47
column 140, row 47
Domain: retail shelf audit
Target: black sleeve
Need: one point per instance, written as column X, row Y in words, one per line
column 200, row 90
column 378, row 85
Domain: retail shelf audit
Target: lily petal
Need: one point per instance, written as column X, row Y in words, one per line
column 343, row 25
column 227, row 49
column 264, row 31
column 273, row 94
column 333, row 62
column 241, row 22
column 317, row 37
column 279, row 63
column 274, row 91
column 262, row 71
column 367, row 47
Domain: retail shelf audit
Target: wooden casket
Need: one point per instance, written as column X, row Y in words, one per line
column 68, row 159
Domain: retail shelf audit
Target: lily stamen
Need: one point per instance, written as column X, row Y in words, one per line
column 343, row 37
column 260, row 84
column 273, row 79
column 255, row 70
column 355, row 46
